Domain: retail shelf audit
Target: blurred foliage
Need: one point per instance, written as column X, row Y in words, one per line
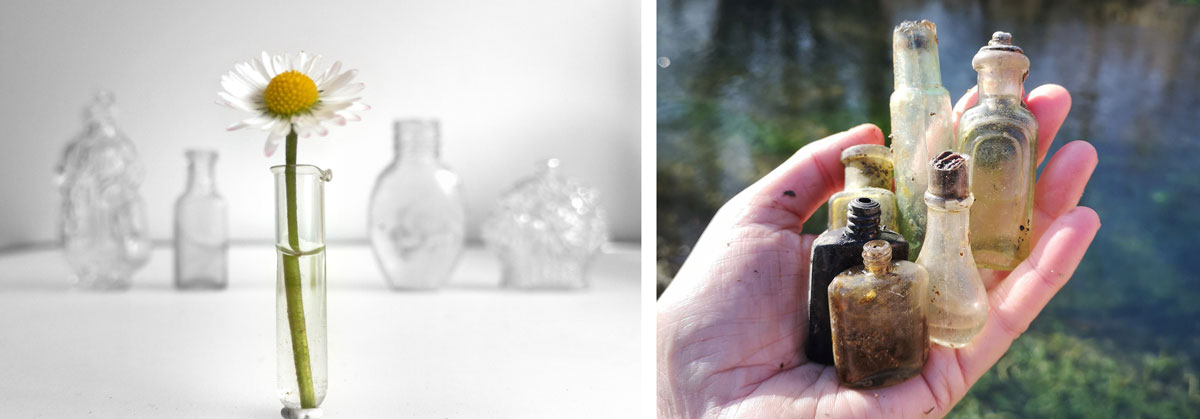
column 1055, row 374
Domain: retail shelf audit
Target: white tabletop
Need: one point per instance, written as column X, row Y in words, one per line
column 470, row 349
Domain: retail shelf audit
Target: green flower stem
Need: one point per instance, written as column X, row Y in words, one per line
column 291, row 283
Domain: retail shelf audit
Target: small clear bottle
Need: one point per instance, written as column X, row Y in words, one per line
column 868, row 174
column 833, row 252
column 1000, row 135
column 958, row 304
column 201, row 227
column 921, row 121
column 417, row 216
column 877, row 313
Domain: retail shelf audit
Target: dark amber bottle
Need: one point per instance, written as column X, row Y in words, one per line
column 878, row 313
column 833, row 252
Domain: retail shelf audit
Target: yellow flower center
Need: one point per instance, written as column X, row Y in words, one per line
column 290, row 93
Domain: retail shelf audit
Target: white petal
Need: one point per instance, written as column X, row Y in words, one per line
column 260, row 122
column 333, row 70
column 237, row 87
column 250, row 75
column 278, row 134
column 236, row 103
column 280, row 65
column 267, row 64
column 308, row 69
column 331, row 85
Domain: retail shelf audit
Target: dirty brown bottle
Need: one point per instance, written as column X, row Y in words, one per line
column 878, row 313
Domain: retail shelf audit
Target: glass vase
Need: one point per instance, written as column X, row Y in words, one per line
column 417, row 217
column 300, row 285
column 201, row 227
column 103, row 221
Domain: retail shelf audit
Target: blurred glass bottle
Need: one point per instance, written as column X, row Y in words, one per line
column 417, row 217
column 868, row 174
column 958, row 305
column 877, row 312
column 1000, row 135
column 921, row 121
column 103, row 221
column 547, row 230
column 201, row 227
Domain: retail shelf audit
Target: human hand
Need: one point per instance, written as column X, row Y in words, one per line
column 731, row 326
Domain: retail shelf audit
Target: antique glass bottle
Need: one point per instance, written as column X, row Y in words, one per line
column 1000, row 135
column 417, row 217
column 921, row 121
column 958, row 304
column 833, row 252
column 869, row 174
column 103, row 222
column 201, row 227
column 547, row 230
column 877, row 313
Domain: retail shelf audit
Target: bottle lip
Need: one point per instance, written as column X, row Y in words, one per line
column 305, row 170
column 866, row 151
column 201, row 152
column 915, row 35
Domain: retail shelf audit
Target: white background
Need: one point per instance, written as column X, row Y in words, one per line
column 512, row 82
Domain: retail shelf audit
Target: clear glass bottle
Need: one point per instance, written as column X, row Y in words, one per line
column 201, row 227
column 300, row 305
column 417, row 217
column 547, row 230
column 833, row 252
column 921, row 121
column 103, row 221
column 869, row 174
column 877, row 312
column 1000, row 135
column 958, row 304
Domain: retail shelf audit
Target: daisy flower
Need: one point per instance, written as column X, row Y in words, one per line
column 287, row 94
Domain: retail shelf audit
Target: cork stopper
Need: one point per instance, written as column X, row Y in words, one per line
column 948, row 176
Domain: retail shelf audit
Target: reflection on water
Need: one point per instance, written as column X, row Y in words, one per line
column 750, row 82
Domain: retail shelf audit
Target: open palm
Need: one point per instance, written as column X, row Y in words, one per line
column 731, row 327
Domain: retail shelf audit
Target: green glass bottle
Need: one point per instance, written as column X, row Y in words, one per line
column 1000, row 135
column 868, row 174
column 921, row 122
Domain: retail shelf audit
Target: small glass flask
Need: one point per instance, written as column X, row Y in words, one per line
column 103, row 221
column 417, row 218
column 1000, row 135
column 547, row 230
column 958, row 304
column 833, row 252
column 201, row 227
column 869, row 174
column 877, row 312
column 921, row 121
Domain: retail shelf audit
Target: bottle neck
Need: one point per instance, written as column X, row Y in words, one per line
column 864, row 173
column 877, row 257
column 418, row 140
column 862, row 227
column 201, row 175
column 917, row 68
column 947, row 221
column 1000, row 83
